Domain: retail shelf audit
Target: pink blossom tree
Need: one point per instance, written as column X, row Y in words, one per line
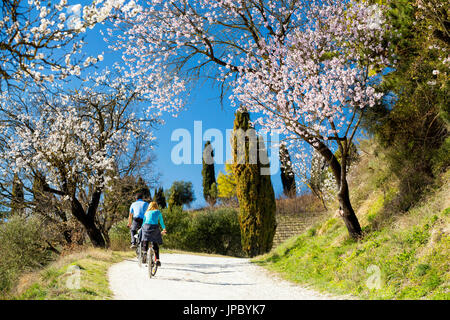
column 306, row 68
column 317, row 84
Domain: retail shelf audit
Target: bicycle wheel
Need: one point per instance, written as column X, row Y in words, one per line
column 152, row 267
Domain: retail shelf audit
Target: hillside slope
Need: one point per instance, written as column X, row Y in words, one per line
column 403, row 255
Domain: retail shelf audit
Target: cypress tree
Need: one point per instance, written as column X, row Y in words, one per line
column 254, row 190
column 209, row 175
column 162, row 198
column 39, row 200
column 159, row 198
column 141, row 187
column 266, row 200
column 213, row 194
column 287, row 174
column 155, row 196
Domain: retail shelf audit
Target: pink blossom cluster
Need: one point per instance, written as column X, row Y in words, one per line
column 317, row 83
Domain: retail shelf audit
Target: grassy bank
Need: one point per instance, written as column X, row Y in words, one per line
column 403, row 255
column 58, row 280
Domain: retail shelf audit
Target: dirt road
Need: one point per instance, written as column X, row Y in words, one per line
column 194, row 277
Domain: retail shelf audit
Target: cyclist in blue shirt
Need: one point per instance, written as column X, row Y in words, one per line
column 151, row 231
column 136, row 216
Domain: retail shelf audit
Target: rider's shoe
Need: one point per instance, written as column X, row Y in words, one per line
column 132, row 246
column 158, row 263
column 144, row 258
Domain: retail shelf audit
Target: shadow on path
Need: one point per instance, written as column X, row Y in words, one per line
column 204, row 282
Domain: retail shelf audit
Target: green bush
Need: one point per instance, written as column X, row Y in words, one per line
column 440, row 159
column 119, row 236
column 210, row 231
column 23, row 248
column 177, row 225
column 414, row 133
column 216, row 231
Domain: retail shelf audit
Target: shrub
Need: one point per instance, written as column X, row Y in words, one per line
column 177, row 225
column 215, row 231
column 299, row 205
column 119, row 236
column 211, row 231
column 23, row 247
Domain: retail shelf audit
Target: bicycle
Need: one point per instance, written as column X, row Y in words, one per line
column 150, row 256
column 139, row 248
column 151, row 260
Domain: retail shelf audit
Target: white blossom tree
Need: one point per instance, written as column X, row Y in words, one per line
column 71, row 143
column 42, row 40
column 74, row 141
column 306, row 68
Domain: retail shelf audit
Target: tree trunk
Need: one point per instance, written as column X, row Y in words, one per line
column 94, row 235
column 87, row 220
column 67, row 236
column 339, row 172
column 348, row 214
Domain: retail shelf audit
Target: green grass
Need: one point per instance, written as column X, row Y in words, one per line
column 55, row 281
column 407, row 256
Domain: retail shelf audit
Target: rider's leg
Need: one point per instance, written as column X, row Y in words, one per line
column 156, row 248
column 144, row 246
column 133, row 239
column 135, row 226
column 144, row 251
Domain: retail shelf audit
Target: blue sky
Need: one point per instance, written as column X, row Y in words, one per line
column 204, row 106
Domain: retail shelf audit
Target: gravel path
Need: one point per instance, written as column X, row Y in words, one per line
column 194, row 277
